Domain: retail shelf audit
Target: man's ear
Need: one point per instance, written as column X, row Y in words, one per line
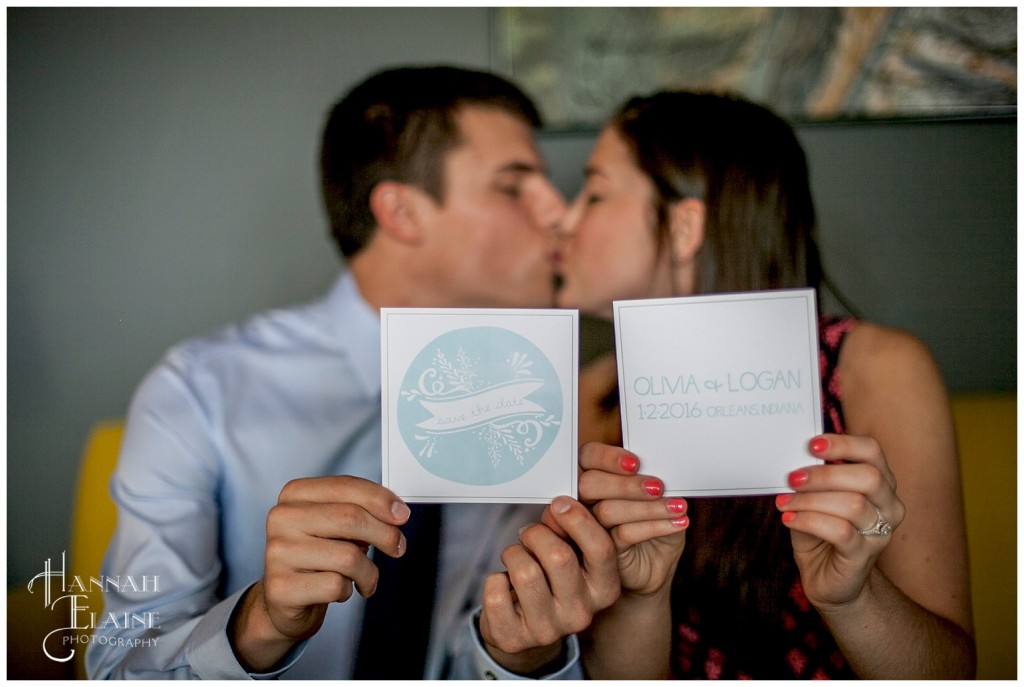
column 395, row 207
column 686, row 229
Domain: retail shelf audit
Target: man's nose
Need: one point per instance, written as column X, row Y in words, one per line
column 549, row 208
column 565, row 227
column 562, row 231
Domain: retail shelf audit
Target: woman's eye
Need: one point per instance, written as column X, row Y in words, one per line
column 510, row 191
column 592, row 198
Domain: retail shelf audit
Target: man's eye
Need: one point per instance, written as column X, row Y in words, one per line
column 510, row 191
column 592, row 198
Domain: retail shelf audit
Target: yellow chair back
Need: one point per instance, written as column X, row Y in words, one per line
column 986, row 428
column 94, row 515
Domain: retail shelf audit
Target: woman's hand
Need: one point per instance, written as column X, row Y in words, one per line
column 830, row 516
column 648, row 530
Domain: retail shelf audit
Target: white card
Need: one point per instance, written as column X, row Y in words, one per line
column 721, row 394
column 479, row 405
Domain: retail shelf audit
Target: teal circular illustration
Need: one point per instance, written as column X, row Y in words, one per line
column 480, row 405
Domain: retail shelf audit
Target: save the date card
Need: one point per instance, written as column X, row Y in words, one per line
column 720, row 394
column 479, row 405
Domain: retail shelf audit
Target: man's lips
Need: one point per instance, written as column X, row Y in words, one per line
column 557, row 264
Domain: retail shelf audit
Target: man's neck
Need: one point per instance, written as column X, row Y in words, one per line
column 388, row 283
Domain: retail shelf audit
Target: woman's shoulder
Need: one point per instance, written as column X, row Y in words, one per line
column 877, row 345
column 876, row 357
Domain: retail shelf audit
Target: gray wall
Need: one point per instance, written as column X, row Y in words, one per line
column 161, row 182
column 918, row 226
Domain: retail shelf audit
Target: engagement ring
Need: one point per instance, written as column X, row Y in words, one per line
column 881, row 527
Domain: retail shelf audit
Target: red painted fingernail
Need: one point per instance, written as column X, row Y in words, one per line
column 676, row 505
column 629, row 462
column 798, row 478
column 682, row 522
column 783, row 499
column 819, row 445
column 788, row 516
column 653, row 486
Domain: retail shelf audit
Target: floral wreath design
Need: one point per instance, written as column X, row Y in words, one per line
column 498, row 399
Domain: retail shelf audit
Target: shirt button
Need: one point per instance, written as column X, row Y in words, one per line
column 488, row 675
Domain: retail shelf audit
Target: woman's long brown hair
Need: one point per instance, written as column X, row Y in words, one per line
column 748, row 168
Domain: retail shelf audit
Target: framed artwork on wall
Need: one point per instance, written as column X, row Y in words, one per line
column 806, row 63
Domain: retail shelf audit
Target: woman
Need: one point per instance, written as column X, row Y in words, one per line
column 848, row 576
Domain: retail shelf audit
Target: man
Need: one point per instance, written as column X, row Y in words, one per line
column 248, row 481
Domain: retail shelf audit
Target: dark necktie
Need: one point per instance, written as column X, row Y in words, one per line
column 396, row 627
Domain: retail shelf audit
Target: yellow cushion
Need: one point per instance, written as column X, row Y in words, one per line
column 986, row 427
column 94, row 515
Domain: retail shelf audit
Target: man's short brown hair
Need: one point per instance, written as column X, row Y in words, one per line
column 399, row 124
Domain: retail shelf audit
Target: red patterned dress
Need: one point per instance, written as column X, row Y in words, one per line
column 739, row 610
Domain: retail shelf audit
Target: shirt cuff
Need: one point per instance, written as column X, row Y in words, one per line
column 209, row 650
column 489, row 669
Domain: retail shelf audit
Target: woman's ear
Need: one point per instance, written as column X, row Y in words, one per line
column 394, row 207
column 686, row 229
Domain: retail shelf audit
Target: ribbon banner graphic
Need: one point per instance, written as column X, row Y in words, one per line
column 484, row 407
column 480, row 405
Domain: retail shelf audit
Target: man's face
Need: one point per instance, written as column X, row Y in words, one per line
column 491, row 241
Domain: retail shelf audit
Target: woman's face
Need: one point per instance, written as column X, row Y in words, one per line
column 610, row 249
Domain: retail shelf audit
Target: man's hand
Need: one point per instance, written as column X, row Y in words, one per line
column 549, row 590
column 318, row 538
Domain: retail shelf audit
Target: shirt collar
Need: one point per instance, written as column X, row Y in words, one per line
column 357, row 325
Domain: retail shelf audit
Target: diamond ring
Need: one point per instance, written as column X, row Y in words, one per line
column 882, row 527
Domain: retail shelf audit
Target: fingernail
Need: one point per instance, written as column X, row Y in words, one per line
column 561, row 504
column 783, row 499
column 629, row 462
column 653, row 486
column 819, row 445
column 682, row 522
column 676, row 505
column 401, row 545
column 798, row 478
column 788, row 516
column 400, row 511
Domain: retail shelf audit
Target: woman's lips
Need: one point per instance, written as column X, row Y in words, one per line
column 557, row 264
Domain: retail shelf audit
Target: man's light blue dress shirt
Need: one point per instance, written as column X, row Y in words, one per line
column 214, row 432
